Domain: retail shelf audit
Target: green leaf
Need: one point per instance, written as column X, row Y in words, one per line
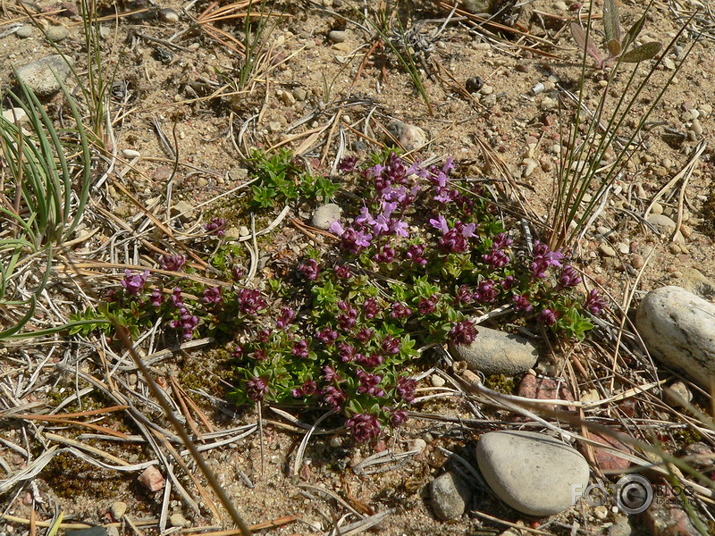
column 644, row 52
column 633, row 32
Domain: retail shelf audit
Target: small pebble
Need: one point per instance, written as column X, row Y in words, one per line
column 657, row 208
column 168, row 15
column 57, row 33
column 531, row 165
column 561, row 6
column 706, row 110
column 300, row 94
column 600, row 512
column 679, row 394
column 418, row 444
column 548, row 103
column 623, row 248
column 637, row 261
column 437, row 380
column 669, row 64
column 538, row 88
column 152, row 478
column 285, row 97
column 674, row 248
column 337, row 36
column 14, row 115
column 118, row 509
column 607, row 250
column 178, row 520
column 131, row 153
column 697, row 128
column 25, row 31
column 487, row 89
column 112, row 530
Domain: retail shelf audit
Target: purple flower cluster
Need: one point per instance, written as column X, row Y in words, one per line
column 186, row 322
column 369, row 384
column 406, row 389
column 216, row 227
column 595, row 303
column 463, row 332
column 543, row 259
column 363, row 427
column 497, row 257
column 569, row 277
column 310, row 269
column 348, row 318
column 285, row 318
column 173, row 263
column 257, row 388
column 250, row 301
column 134, row 283
column 213, row 295
column 453, row 240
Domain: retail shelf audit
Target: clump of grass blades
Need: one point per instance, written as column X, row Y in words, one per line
column 590, row 139
column 391, row 32
column 39, row 206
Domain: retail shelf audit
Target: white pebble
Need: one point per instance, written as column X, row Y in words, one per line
column 131, row 153
column 538, row 88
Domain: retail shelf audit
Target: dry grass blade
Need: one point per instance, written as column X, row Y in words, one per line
column 67, row 419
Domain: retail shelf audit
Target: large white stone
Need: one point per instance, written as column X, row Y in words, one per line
column 497, row 352
column 678, row 328
column 533, row 473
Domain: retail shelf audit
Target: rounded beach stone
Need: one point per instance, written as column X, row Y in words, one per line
column 678, row 328
column 450, row 496
column 533, row 473
column 496, row 352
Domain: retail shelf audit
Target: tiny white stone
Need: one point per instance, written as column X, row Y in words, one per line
column 131, row 153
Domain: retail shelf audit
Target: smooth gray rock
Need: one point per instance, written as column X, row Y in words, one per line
column 325, row 215
column 678, row 328
column 25, row 31
column 57, row 33
column 496, row 352
column 44, row 75
column 338, row 36
column 449, row 495
column 533, row 473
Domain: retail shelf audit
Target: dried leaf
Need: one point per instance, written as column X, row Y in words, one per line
column 643, row 52
column 611, row 21
column 579, row 35
column 614, row 48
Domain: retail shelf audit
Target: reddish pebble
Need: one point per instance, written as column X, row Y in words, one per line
column 152, row 478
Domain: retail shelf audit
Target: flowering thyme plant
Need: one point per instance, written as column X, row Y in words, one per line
column 412, row 265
